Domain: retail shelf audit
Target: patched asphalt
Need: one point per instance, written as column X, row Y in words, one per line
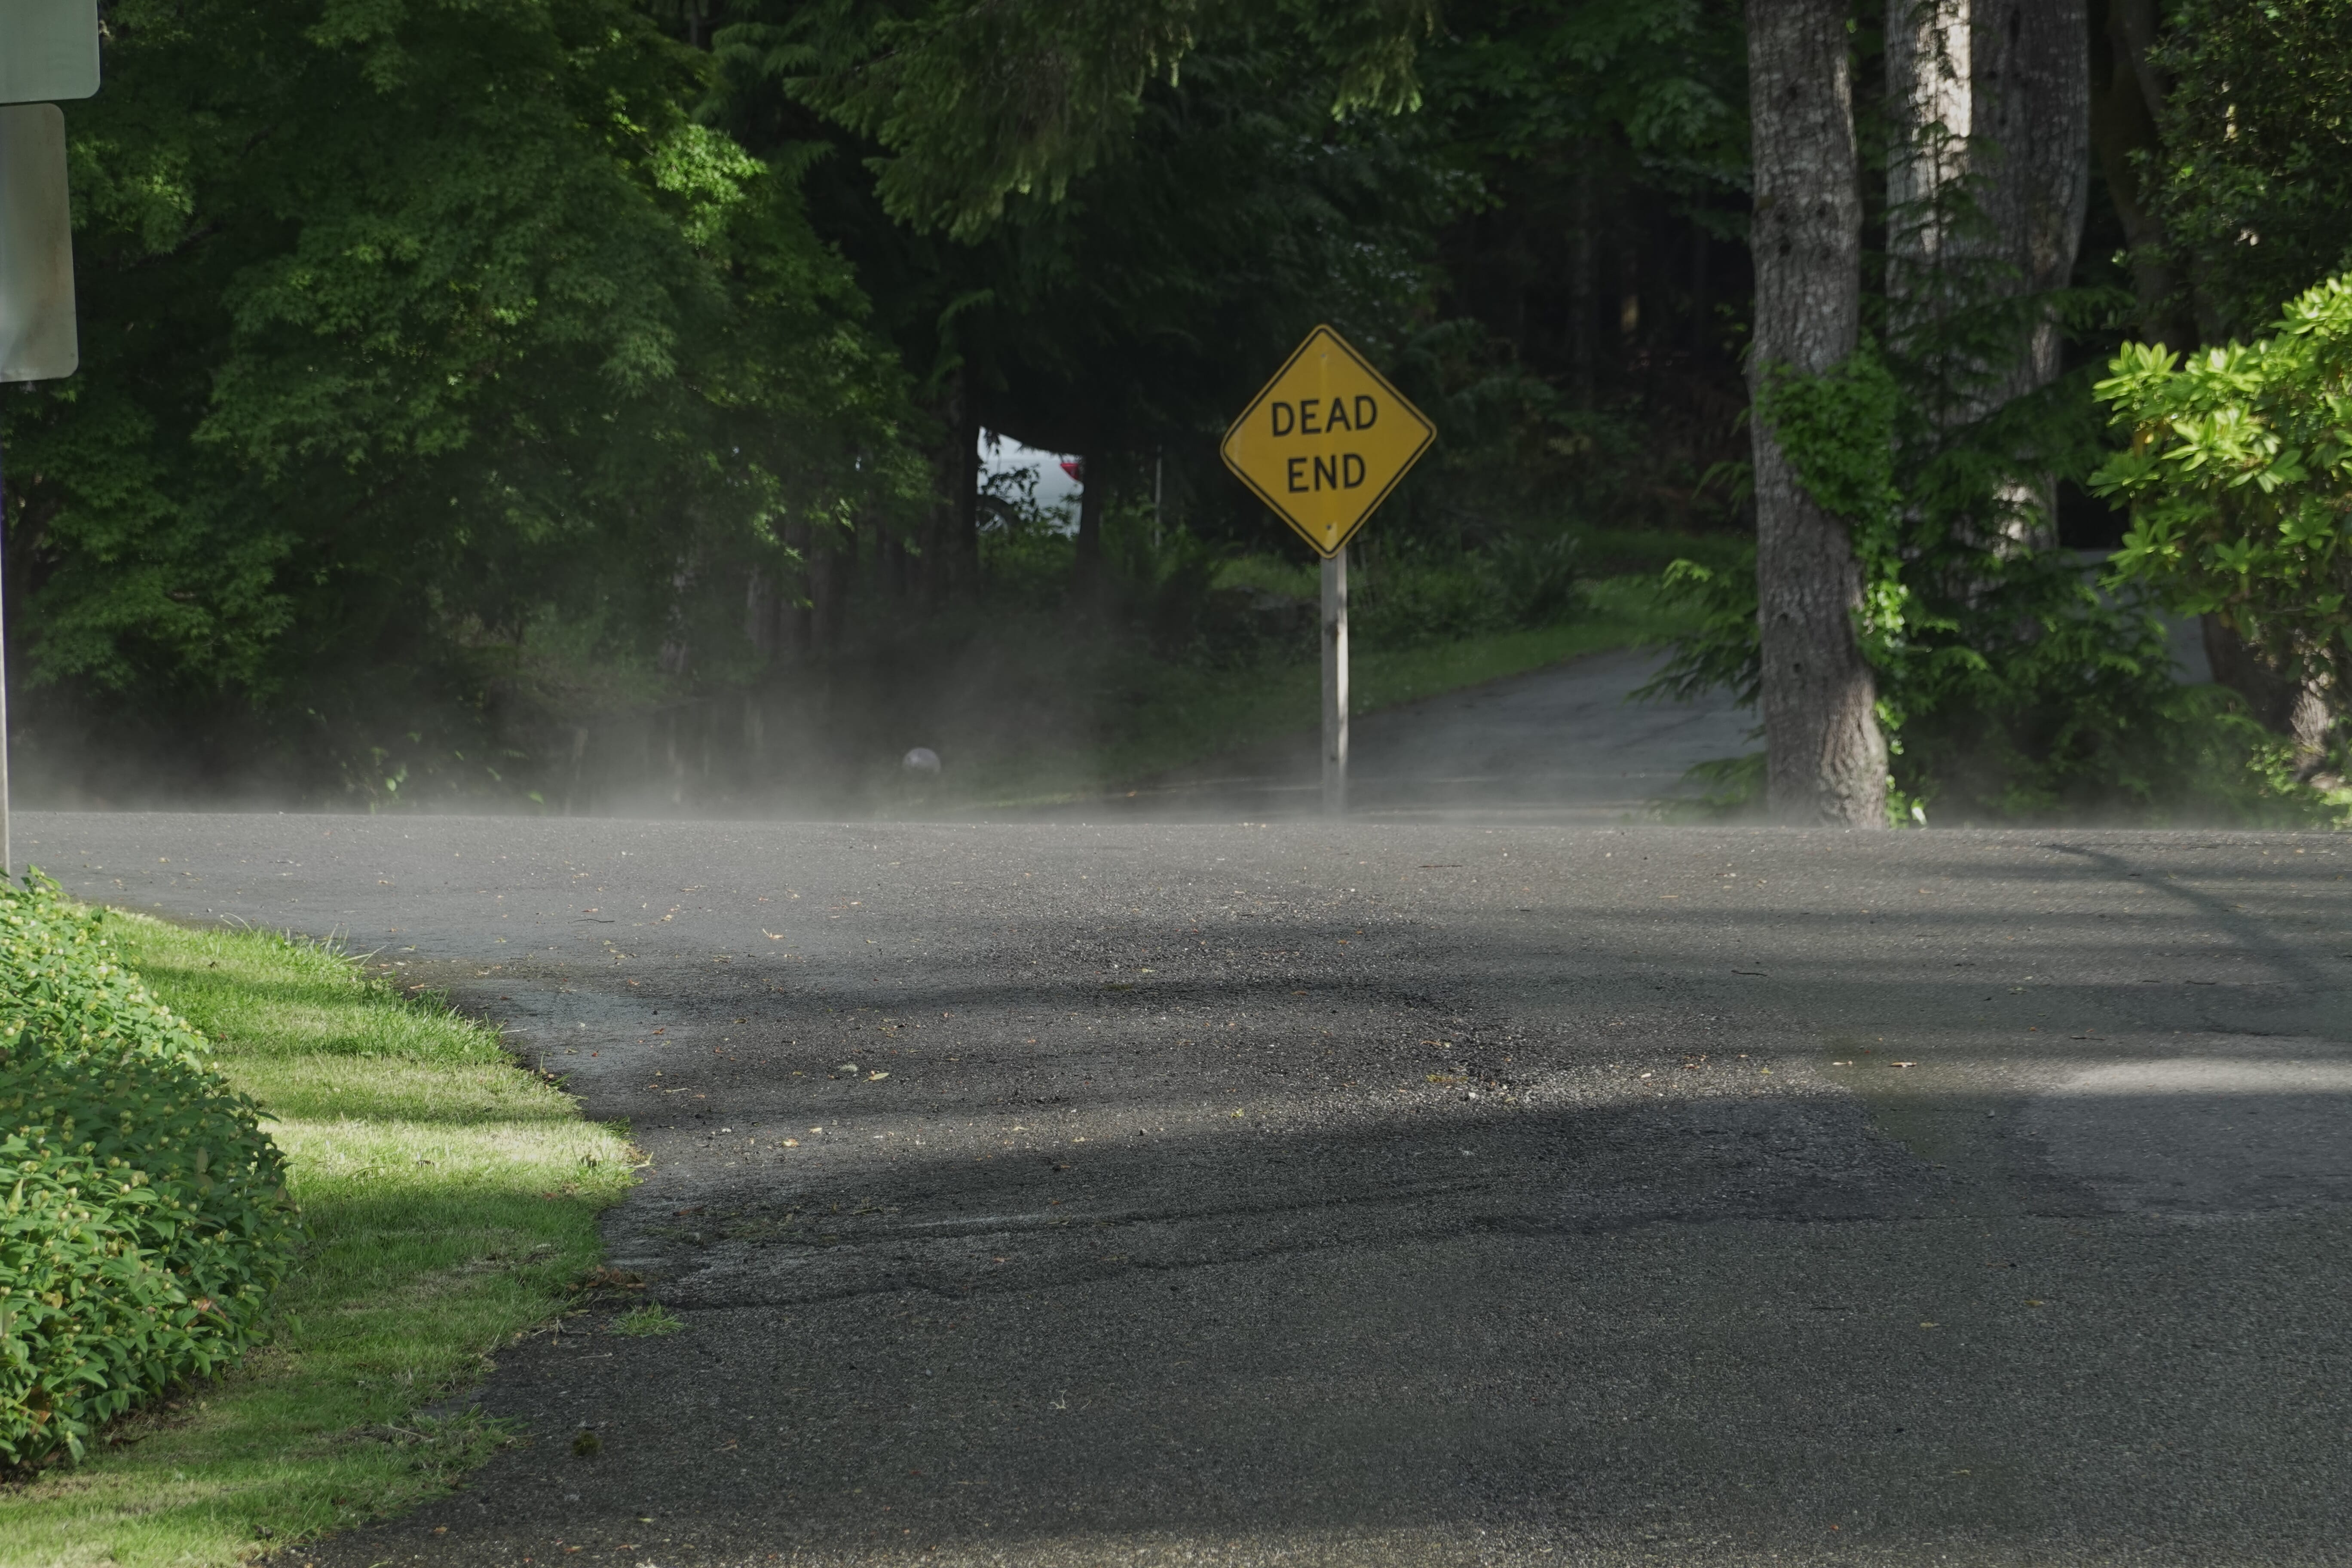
column 1392, row 1192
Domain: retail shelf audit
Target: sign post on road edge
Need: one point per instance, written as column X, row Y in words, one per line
column 1323, row 444
column 49, row 49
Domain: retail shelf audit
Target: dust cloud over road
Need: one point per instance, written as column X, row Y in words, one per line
column 1393, row 1192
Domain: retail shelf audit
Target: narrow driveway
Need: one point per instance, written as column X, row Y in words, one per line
column 1395, row 1193
column 1567, row 745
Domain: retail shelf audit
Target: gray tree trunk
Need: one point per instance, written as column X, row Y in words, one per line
column 2032, row 90
column 2034, row 105
column 763, row 615
column 950, row 562
column 832, row 566
column 1989, row 100
column 1930, row 113
column 1826, row 759
column 2299, row 707
column 796, row 634
column 1093, row 488
column 2311, row 723
column 1581, row 278
column 2126, row 100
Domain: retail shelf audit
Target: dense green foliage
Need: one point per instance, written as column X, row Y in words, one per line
column 146, row 1218
column 2239, row 476
column 2014, row 681
column 1063, row 87
column 2250, row 176
column 2033, row 696
column 417, row 339
column 503, row 404
column 572, row 404
column 2012, row 684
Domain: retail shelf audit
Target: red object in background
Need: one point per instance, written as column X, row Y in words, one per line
column 1075, row 468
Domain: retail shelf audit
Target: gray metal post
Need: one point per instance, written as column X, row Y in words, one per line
column 8, row 864
column 1335, row 682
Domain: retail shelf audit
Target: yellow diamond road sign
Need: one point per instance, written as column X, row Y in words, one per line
column 1326, row 441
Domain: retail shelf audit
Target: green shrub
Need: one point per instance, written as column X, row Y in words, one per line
column 2055, row 702
column 1408, row 603
column 2236, row 477
column 1535, row 576
column 143, row 1218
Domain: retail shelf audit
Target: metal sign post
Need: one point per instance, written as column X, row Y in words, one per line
column 48, row 50
column 1323, row 445
column 1335, row 682
column 7, row 861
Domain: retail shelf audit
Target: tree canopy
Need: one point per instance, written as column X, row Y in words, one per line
column 405, row 323
column 462, row 379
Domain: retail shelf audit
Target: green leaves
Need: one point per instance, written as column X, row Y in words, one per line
column 2251, row 181
column 2239, row 476
column 977, row 101
column 408, row 325
column 147, row 1223
column 1838, row 429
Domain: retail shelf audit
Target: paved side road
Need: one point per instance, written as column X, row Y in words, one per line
column 1395, row 1194
column 1566, row 745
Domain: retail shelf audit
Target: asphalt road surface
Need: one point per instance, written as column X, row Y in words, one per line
column 1564, row 744
column 1395, row 1194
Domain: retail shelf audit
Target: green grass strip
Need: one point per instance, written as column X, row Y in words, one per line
column 450, row 1199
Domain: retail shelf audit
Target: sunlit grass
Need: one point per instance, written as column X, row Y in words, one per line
column 450, row 1199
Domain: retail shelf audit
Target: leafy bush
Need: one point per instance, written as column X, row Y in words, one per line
column 2049, row 701
column 145, row 1218
column 1535, row 576
column 2236, row 475
column 1163, row 583
column 1026, row 551
column 1405, row 602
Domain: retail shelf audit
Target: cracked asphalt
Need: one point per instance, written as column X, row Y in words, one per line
column 1392, row 1192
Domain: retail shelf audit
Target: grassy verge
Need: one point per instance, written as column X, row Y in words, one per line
column 450, row 1199
column 1176, row 715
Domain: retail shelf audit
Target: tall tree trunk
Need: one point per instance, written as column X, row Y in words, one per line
column 2310, row 724
column 1629, row 303
column 1826, row 759
column 1930, row 113
column 765, row 597
column 831, row 565
column 964, row 545
column 1989, row 99
column 951, row 546
column 2033, row 90
column 893, row 564
column 2127, row 97
column 1997, row 92
column 1093, row 484
column 1701, row 325
column 1580, row 280
column 799, row 592
column 2297, row 707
